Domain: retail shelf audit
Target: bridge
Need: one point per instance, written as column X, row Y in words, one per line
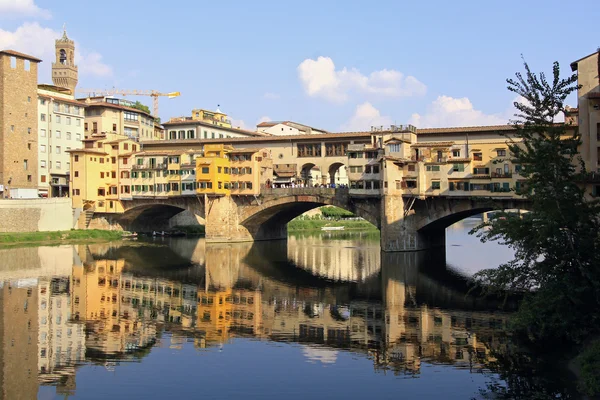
column 406, row 222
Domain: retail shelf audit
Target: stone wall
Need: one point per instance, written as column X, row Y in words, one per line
column 36, row 215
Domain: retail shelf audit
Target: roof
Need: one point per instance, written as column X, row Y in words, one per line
column 20, row 55
column 89, row 151
column 574, row 63
column 116, row 106
column 268, row 124
column 63, row 100
column 260, row 139
column 202, row 123
column 461, row 129
column 245, row 150
column 433, row 144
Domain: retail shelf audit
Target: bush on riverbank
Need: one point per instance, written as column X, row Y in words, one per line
column 40, row 237
column 335, row 212
column 589, row 363
column 316, row 224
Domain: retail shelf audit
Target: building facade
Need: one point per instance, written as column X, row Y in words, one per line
column 287, row 128
column 60, row 123
column 186, row 128
column 18, row 123
column 64, row 71
column 109, row 115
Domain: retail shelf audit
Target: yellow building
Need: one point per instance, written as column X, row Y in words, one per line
column 212, row 170
column 217, row 118
column 223, row 170
column 100, row 171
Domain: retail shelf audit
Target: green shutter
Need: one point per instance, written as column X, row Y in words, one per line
column 461, row 167
column 467, row 187
column 451, row 186
column 506, row 186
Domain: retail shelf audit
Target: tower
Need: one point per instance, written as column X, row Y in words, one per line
column 64, row 70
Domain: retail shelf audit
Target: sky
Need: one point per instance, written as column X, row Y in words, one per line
column 335, row 65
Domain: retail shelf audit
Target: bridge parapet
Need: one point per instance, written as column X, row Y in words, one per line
column 304, row 191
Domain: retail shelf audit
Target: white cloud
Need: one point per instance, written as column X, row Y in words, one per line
column 264, row 119
column 321, row 79
column 19, row 8
column 36, row 40
column 446, row 111
column 271, row 96
column 365, row 116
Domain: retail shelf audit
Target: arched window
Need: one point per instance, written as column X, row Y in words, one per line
column 63, row 56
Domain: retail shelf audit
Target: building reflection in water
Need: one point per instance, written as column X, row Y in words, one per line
column 109, row 304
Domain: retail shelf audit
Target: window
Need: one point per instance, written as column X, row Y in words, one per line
column 76, row 158
column 25, row 164
column 13, row 62
column 130, row 116
column 68, row 120
column 205, row 170
column 501, row 153
column 42, row 132
column 477, row 156
column 42, row 117
column 42, row 148
column 394, row 148
column 12, row 128
column 68, row 135
column 43, row 178
column 433, row 168
column 57, row 118
column 85, row 126
column 456, row 153
column 57, row 134
column 458, row 167
column 94, row 127
column 43, row 164
column 28, row 178
column 435, row 185
column 77, row 122
column 309, row 150
column 57, row 149
column 114, row 127
column 58, row 165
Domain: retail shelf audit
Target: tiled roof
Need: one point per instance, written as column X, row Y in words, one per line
column 460, row 129
column 116, row 106
column 63, row 100
column 433, row 144
column 21, row 55
column 90, row 151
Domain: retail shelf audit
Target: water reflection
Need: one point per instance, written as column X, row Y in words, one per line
column 106, row 304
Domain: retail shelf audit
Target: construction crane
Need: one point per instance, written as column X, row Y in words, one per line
column 153, row 93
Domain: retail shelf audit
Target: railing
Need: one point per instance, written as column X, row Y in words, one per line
column 501, row 175
column 299, row 191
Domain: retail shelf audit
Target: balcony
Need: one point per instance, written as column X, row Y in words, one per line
column 506, row 175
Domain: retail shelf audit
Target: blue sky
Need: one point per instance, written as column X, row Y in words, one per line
column 330, row 64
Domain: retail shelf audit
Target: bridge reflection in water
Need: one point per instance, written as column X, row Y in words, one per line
column 110, row 304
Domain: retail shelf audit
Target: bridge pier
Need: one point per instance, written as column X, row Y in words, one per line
column 400, row 228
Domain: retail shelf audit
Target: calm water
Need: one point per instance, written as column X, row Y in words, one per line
column 324, row 316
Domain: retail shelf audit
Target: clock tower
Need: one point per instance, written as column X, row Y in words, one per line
column 64, row 70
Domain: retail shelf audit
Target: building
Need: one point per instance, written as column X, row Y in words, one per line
column 64, row 70
column 588, row 99
column 109, row 115
column 217, row 117
column 18, row 123
column 101, row 171
column 60, row 123
column 287, row 128
column 190, row 128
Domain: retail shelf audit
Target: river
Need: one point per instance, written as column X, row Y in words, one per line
column 322, row 316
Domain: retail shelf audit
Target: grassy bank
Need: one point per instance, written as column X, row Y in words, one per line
column 191, row 230
column 316, row 224
column 9, row 239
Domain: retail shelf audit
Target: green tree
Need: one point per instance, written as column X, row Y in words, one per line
column 556, row 263
column 142, row 107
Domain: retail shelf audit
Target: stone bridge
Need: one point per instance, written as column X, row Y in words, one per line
column 407, row 223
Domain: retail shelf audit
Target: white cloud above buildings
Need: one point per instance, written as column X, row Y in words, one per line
column 365, row 116
column 22, row 8
column 33, row 39
column 320, row 78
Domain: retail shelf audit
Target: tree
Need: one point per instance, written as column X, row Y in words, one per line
column 142, row 107
column 556, row 263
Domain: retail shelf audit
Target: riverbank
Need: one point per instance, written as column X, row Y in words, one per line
column 59, row 237
column 298, row 225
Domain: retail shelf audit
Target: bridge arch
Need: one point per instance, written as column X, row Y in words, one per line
column 270, row 218
column 335, row 171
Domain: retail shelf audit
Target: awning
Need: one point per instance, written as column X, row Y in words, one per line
column 282, row 180
column 285, row 174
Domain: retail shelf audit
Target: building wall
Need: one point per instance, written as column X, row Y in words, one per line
column 60, row 130
column 198, row 130
column 43, row 215
column 18, row 123
column 588, row 70
column 101, row 117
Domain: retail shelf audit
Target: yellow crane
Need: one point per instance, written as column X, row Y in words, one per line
column 111, row 92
